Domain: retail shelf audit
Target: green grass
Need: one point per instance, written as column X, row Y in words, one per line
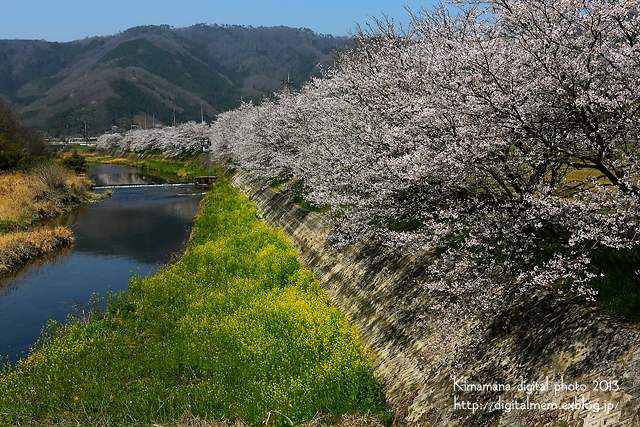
column 616, row 281
column 173, row 167
column 25, row 220
column 618, row 284
column 81, row 146
column 234, row 329
column 187, row 155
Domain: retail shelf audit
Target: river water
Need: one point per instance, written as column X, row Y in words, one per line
column 133, row 232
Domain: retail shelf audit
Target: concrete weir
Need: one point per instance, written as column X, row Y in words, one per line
column 544, row 362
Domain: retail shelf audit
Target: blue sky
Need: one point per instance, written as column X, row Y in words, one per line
column 66, row 20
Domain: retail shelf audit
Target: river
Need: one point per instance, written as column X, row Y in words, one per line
column 133, row 232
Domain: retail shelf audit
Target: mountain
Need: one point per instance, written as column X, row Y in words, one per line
column 153, row 74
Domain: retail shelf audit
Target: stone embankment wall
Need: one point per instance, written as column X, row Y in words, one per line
column 581, row 368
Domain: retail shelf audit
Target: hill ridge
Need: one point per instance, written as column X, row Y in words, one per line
column 155, row 74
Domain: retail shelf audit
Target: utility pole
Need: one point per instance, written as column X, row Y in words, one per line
column 286, row 84
column 201, row 113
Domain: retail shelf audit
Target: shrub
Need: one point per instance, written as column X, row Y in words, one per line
column 75, row 162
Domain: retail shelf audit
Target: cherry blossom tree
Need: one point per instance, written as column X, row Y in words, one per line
column 491, row 136
column 188, row 137
column 108, row 141
column 502, row 133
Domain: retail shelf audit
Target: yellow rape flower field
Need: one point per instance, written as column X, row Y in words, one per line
column 234, row 330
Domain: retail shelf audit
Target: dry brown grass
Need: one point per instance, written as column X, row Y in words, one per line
column 106, row 159
column 25, row 199
column 47, row 191
column 21, row 246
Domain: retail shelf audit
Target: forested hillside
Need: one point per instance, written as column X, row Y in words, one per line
column 153, row 74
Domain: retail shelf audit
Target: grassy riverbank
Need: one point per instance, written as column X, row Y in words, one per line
column 235, row 329
column 26, row 199
column 21, row 246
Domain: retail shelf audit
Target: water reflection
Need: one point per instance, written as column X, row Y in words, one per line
column 111, row 175
column 40, row 266
column 143, row 225
column 133, row 232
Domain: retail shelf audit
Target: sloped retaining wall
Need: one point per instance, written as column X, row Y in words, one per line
column 581, row 368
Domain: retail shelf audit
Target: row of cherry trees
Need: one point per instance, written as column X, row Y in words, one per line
column 503, row 137
column 187, row 137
